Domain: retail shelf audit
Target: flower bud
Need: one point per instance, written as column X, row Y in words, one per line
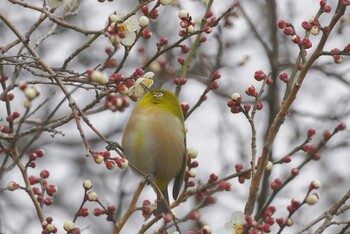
column 183, row 14
column 143, row 21
column 311, row 199
column 316, row 184
column 315, row 30
column 236, row 97
column 12, row 186
column 124, row 163
column 68, row 225
column 30, row 93
column 92, row 196
column 165, row 2
column 269, row 166
column 192, row 172
column 87, row 184
column 192, row 152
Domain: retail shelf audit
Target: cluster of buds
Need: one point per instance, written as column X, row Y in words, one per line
column 50, row 189
column 224, row 186
column 241, row 178
column 205, row 197
column 115, row 102
column 147, row 209
column 110, row 163
column 192, row 164
column 186, row 23
column 235, row 103
column 276, row 184
column 295, row 204
column 325, row 7
column 261, row 76
column 251, row 91
column 83, row 212
column 336, row 56
column 122, row 83
column 48, row 226
column 154, row 13
column 312, row 26
column 264, row 226
column 109, row 212
column 310, row 149
column 282, row 223
column 179, row 81
column 9, row 97
column 39, row 153
column 10, row 118
column 213, row 82
column 30, row 92
column 110, row 63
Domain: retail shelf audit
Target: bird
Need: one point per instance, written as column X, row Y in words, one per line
column 154, row 141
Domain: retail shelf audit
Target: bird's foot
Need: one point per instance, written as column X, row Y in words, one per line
column 148, row 178
column 113, row 144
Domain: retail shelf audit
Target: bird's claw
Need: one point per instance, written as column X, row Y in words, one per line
column 113, row 144
column 148, row 178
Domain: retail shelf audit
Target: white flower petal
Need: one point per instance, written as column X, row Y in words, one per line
column 238, row 217
column 131, row 24
column 229, row 228
column 148, row 75
column 120, row 16
column 129, row 38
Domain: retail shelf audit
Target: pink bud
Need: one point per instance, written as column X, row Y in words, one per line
column 311, row 132
column 327, row 134
column 306, row 25
column 282, row 24
column 163, row 41
column 185, row 49
column 295, row 171
column 247, row 107
column 288, row 31
column 238, row 167
column 216, row 75
column 259, row 75
column 259, row 106
column 341, row 126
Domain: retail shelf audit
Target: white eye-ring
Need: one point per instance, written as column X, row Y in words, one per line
column 158, row 94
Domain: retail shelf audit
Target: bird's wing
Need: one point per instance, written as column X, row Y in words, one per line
column 180, row 176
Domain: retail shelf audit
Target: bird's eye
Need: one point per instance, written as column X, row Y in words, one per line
column 158, row 94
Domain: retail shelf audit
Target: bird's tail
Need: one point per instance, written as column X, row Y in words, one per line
column 162, row 207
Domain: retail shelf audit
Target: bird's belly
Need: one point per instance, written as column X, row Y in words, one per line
column 159, row 146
